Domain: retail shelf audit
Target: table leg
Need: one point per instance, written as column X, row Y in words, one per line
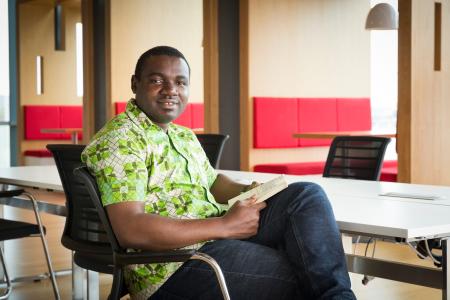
column 75, row 138
column 445, row 270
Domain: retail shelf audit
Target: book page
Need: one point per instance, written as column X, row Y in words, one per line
column 263, row 191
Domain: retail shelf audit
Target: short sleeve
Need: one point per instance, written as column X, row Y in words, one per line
column 118, row 163
column 210, row 172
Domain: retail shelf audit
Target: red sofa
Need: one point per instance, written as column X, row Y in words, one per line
column 276, row 119
column 37, row 117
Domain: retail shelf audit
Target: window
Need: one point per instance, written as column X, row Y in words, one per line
column 79, row 55
column 4, row 86
column 384, row 79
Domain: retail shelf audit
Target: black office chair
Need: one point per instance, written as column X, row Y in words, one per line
column 120, row 256
column 10, row 229
column 356, row 157
column 83, row 231
column 213, row 146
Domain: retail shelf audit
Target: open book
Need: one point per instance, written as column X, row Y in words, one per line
column 263, row 191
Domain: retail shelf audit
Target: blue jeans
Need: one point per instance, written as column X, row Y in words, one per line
column 297, row 254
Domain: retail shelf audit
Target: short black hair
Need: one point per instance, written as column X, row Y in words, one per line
column 159, row 50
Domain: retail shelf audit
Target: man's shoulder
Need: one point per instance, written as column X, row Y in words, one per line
column 182, row 131
column 118, row 130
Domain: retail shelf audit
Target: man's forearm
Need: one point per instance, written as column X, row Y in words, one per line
column 225, row 188
column 157, row 233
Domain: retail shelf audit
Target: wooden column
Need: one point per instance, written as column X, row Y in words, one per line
column 211, row 65
column 245, row 104
column 424, row 92
column 404, row 92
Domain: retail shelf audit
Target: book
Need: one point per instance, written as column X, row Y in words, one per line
column 264, row 191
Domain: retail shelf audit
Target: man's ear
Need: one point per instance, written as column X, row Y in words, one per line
column 134, row 83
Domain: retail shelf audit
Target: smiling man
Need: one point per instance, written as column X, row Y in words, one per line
column 161, row 193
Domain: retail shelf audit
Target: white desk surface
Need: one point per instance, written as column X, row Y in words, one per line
column 43, row 177
column 359, row 208
column 356, row 204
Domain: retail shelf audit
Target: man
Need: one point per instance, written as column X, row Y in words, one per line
column 161, row 193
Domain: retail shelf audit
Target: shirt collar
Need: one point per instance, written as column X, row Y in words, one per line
column 141, row 119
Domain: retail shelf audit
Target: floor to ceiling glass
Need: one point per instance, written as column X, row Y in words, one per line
column 4, row 86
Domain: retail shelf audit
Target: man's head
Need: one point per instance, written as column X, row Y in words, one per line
column 161, row 84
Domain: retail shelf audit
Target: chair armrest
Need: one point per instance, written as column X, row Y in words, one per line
column 148, row 257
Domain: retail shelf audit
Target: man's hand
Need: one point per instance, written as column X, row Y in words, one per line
column 242, row 220
column 250, row 186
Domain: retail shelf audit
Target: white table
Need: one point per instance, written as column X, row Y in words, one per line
column 359, row 209
column 74, row 132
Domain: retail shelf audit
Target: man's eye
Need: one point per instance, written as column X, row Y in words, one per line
column 182, row 83
column 156, row 81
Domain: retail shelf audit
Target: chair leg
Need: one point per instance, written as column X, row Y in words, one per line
column 8, row 281
column 44, row 244
column 215, row 266
column 117, row 284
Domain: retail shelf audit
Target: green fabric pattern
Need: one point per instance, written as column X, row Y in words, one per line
column 133, row 159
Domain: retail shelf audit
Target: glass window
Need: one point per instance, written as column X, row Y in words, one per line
column 384, row 78
column 4, row 86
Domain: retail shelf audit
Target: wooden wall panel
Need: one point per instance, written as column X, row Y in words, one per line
column 301, row 48
column 429, row 100
column 139, row 25
column 36, row 37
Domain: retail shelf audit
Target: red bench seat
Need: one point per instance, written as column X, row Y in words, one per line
column 38, row 153
column 38, row 117
column 302, row 168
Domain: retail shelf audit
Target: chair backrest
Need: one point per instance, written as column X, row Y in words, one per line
column 91, row 185
column 213, row 146
column 83, row 230
column 356, row 157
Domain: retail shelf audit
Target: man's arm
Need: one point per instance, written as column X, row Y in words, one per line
column 224, row 188
column 136, row 229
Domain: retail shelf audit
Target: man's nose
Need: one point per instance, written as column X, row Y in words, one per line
column 170, row 89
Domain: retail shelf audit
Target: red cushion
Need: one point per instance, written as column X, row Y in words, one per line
column 71, row 117
column 185, row 119
column 120, row 107
column 353, row 114
column 389, row 174
column 316, row 114
column 197, row 114
column 389, row 163
column 304, row 168
column 274, row 122
column 38, row 153
column 37, row 117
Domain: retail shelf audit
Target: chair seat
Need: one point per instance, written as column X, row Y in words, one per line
column 95, row 262
column 16, row 229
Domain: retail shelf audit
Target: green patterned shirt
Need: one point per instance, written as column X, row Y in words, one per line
column 133, row 159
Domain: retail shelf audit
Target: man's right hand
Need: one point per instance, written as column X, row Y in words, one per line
column 242, row 220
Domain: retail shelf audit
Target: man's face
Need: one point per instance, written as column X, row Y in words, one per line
column 162, row 90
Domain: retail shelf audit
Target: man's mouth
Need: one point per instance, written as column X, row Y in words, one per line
column 167, row 104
